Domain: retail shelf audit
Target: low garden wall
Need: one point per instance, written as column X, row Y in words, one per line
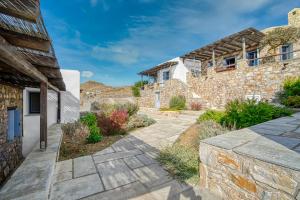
column 259, row 162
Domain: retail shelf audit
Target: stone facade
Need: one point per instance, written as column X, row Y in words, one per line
column 260, row 162
column 217, row 88
column 166, row 91
column 294, row 17
column 10, row 152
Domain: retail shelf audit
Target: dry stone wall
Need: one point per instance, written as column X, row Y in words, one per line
column 218, row 88
column 10, row 152
column 169, row 89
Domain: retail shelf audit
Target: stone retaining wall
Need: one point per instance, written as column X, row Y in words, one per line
column 10, row 152
column 261, row 162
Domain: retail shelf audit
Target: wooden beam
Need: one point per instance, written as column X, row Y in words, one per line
column 39, row 60
column 43, row 115
column 12, row 58
column 26, row 41
column 9, row 7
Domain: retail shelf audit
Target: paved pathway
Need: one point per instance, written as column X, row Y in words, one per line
column 127, row 169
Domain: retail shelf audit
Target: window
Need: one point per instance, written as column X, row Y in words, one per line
column 210, row 64
column 195, row 72
column 287, row 52
column 13, row 124
column 252, row 57
column 34, row 102
column 166, row 75
column 229, row 61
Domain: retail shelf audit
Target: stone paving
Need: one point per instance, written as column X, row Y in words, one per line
column 32, row 180
column 127, row 169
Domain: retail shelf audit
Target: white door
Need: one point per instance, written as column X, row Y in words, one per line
column 157, row 99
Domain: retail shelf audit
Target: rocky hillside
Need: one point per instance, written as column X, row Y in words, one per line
column 99, row 90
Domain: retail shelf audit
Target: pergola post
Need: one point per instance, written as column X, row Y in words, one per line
column 58, row 107
column 244, row 49
column 213, row 58
column 43, row 115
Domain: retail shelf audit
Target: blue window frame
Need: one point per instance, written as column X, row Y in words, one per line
column 252, row 57
column 14, row 129
column 229, row 62
column 286, row 52
column 166, row 75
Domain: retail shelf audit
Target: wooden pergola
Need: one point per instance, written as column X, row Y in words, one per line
column 237, row 42
column 27, row 58
column 153, row 71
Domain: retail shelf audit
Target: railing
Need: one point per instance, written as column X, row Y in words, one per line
column 225, row 68
column 283, row 57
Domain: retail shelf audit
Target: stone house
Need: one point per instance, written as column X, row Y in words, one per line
column 32, row 88
column 232, row 67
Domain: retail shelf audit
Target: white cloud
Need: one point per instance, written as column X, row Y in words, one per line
column 87, row 74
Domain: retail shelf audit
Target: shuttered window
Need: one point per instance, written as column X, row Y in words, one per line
column 14, row 129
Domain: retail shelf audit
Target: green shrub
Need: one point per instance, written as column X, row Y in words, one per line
column 209, row 129
column 138, row 121
column 291, row 87
column 136, row 88
column 95, row 135
column 182, row 162
column 292, row 101
column 130, row 108
column 177, row 102
column 89, row 119
column 212, row 115
column 240, row 114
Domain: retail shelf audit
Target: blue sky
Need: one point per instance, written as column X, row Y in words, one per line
column 111, row 40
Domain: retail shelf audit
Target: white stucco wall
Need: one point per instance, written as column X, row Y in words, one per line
column 72, row 81
column 178, row 71
column 31, row 122
column 70, row 100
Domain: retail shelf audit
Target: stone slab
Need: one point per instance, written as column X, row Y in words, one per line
column 270, row 151
column 116, row 155
column 105, row 151
column 77, row 188
column 64, row 166
column 146, row 160
column 123, row 145
column 232, row 139
column 62, row 177
column 128, row 191
column 133, row 162
column 288, row 142
column 84, row 166
column 115, row 173
column 152, row 175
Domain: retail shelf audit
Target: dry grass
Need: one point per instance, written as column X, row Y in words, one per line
column 182, row 158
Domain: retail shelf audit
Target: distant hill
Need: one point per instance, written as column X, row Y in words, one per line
column 96, row 89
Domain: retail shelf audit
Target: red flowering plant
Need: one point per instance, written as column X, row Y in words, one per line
column 113, row 124
column 196, row 106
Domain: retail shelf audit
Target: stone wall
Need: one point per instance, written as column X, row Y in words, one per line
column 10, row 152
column 217, row 88
column 167, row 90
column 260, row 162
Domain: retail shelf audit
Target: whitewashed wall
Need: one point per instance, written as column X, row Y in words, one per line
column 70, row 100
column 178, row 71
column 31, row 122
column 70, row 107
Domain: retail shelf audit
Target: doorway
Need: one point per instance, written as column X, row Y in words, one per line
column 157, row 100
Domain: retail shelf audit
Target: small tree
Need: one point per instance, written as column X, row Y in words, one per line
column 279, row 36
column 137, row 86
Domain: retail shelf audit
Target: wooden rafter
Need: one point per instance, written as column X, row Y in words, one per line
column 11, row 57
column 25, row 41
column 154, row 70
column 24, row 9
column 228, row 45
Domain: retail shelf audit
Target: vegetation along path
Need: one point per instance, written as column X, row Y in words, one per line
column 127, row 169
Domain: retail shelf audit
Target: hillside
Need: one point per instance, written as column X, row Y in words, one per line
column 96, row 89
